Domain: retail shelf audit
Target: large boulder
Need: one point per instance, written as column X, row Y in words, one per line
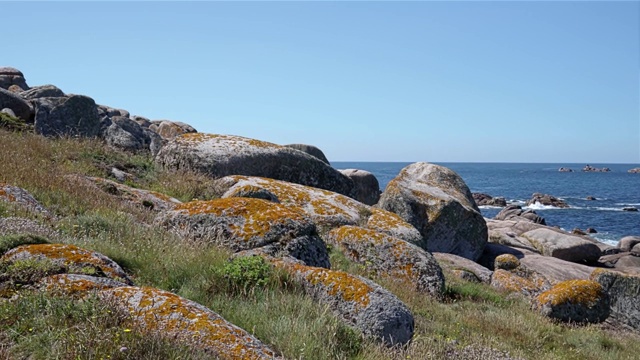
column 20, row 107
column 628, row 242
column 624, row 292
column 385, row 255
column 437, row 202
column 170, row 129
column 244, row 224
column 166, row 315
column 222, row 155
column 327, row 209
column 463, row 267
column 528, row 283
column 367, row 188
column 576, row 301
column 124, row 133
column 10, row 76
column 516, row 213
column 37, row 92
column 311, row 150
column 555, row 270
column 563, row 246
column 75, row 115
column 357, row 301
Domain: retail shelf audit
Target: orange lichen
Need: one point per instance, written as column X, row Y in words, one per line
column 68, row 286
column 514, row 283
column 6, row 195
column 583, row 292
column 200, row 137
column 169, row 315
column 506, row 262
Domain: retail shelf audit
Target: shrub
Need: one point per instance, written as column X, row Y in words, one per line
column 242, row 274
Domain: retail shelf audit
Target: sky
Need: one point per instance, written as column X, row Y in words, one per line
column 508, row 81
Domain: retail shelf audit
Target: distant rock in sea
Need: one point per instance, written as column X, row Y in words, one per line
column 630, row 208
column 564, row 169
column 482, row 199
column 634, row 170
column 589, row 168
column 591, row 198
column 547, row 200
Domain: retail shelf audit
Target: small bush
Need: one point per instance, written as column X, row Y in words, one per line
column 242, row 274
column 12, row 123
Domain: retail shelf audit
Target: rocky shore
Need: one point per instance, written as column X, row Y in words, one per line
column 286, row 204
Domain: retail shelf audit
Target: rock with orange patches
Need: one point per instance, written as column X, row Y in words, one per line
column 170, row 129
column 464, row 268
column 21, row 197
column 327, row 209
column 222, row 155
column 389, row 256
column 357, row 301
column 582, row 301
column 511, row 282
column 437, row 202
column 71, row 258
column 624, row 292
column 164, row 314
column 245, row 223
column 77, row 284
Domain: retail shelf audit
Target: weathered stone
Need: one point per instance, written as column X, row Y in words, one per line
column 245, row 223
column 142, row 121
column 367, row 189
column 511, row 282
column 581, row 301
column 110, row 112
column 492, row 251
column 624, row 292
column 589, row 168
column 22, row 198
column 170, row 129
column 124, row 133
column 515, row 212
column 506, row 262
column 222, row 155
column 359, row 302
column 555, row 270
column 392, row 224
column 466, row 266
column 437, row 202
column 311, row 150
column 482, row 199
column 634, row 170
column 75, row 115
column 20, row 107
column 169, row 316
column 389, row 256
column 16, row 226
column 563, row 246
column 69, row 257
column 37, row 92
column 628, row 242
column 565, row 169
column 77, row 284
column 11, row 76
column 547, row 200
column 8, row 112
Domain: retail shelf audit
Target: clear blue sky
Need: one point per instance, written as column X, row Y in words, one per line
column 364, row 81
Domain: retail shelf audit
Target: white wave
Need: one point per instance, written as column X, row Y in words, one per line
column 490, row 207
column 538, row 206
column 628, row 204
column 599, row 208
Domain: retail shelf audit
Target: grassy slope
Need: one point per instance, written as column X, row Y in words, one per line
column 474, row 320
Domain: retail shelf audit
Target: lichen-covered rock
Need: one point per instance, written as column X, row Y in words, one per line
column 581, row 301
column 161, row 313
column 389, row 256
column 624, row 292
column 438, row 203
column 311, row 150
column 69, row 257
column 77, row 284
column 367, row 188
column 506, row 262
column 359, row 302
column 222, row 155
column 21, row 197
column 245, row 223
column 37, row 92
column 170, row 129
column 327, row 209
column 150, row 199
column 75, row 115
column 11, row 76
column 563, row 246
column 20, row 107
column 512, row 282
column 464, row 268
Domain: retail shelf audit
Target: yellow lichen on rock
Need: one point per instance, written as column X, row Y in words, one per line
column 506, row 262
column 583, row 292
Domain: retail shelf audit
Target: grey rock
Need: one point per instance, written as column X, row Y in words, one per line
column 20, row 107
column 170, row 129
column 555, row 270
column 142, row 121
column 124, row 133
column 37, row 92
column 589, row 168
column 563, row 246
column 222, row 155
column 455, row 262
column 8, row 112
column 624, row 291
column 515, row 212
column 76, row 115
column 628, row 242
column 16, row 226
column 367, row 188
column 575, row 301
column 385, row 255
column 21, row 197
column 591, row 198
column 482, row 199
column 437, row 202
column 110, row 112
column 547, row 200
column 311, row 150
column 565, row 169
column 634, row 170
column 11, row 76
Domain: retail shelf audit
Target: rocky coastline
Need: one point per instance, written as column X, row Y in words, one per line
column 288, row 205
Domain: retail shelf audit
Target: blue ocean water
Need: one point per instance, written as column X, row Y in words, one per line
column 516, row 182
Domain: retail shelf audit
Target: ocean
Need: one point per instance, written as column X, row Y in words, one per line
column 516, row 182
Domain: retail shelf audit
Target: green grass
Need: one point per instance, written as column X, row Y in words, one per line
column 40, row 326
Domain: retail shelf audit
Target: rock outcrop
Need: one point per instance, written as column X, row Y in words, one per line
column 245, row 223
column 75, row 115
column 464, row 268
column 563, row 246
column 385, row 255
column 576, row 301
column 222, row 155
column 624, row 291
column 589, row 168
column 12, row 77
column 21, row 197
column 565, row 169
column 482, row 199
column 437, row 202
column 515, row 212
column 366, row 186
column 634, row 170
column 547, row 200
column 628, row 242
column 170, row 129
column 20, row 107
column 43, row 91
column 311, row 150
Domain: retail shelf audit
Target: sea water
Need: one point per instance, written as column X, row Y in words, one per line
column 516, row 182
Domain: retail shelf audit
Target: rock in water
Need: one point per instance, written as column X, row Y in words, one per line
column 547, row 200
column 222, row 155
column 439, row 204
column 515, row 212
column 488, row 200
